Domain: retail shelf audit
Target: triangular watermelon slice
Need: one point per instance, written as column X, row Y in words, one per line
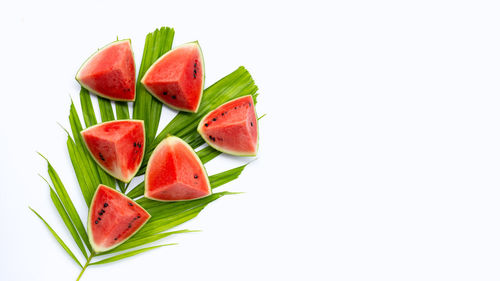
column 177, row 77
column 175, row 173
column 113, row 218
column 117, row 146
column 232, row 127
column 110, row 72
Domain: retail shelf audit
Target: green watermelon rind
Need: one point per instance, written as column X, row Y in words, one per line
column 89, row 223
column 105, row 169
column 90, row 58
column 162, row 143
column 202, row 81
column 215, row 146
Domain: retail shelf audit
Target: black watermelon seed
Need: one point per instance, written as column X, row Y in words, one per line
column 105, row 205
column 174, row 97
column 195, row 71
column 116, row 238
column 214, row 119
column 195, row 176
column 96, row 222
column 251, row 124
column 138, row 217
column 235, row 107
column 135, row 144
column 222, row 113
column 206, row 124
column 164, row 93
column 98, row 218
column 130, row 204
column 129, row 225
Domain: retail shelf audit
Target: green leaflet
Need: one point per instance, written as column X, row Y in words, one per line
column 87, row 108
column 81, row 171
column 136, row 242
column 146, row 107
column 67, row 203
column 167, row 215
column 61, row 242
column 128, row 254
column 136, row 191
column 208, row 153
column 66, row 219
column 122, row 110
column 106, row 109
column 226, row 176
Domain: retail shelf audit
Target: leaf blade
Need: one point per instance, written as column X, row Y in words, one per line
column 133, row 243
column 87, row 108
column 61, row 242
column 122, row 112
column 128, row 254
column 66, row 219
column 67, row 203
column 105, row 109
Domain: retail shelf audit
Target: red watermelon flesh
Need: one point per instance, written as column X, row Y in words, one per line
column 232, row 127
column 117, row 146
column 113, row 218
column 175, row 173
column 110, row 72
column 177, row 78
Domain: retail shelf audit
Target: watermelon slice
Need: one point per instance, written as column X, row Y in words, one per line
column 232, row 127
column 177, row 78
column 113, row 218
column 117, row 146
column 175, row 173
column 110, row 72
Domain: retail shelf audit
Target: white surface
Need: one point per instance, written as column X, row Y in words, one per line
column 379, row 156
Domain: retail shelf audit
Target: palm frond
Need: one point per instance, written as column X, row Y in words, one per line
column 164, row 215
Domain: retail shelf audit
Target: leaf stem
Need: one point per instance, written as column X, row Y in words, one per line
column 85, row 266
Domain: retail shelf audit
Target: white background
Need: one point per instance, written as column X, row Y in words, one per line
column 379, row 156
